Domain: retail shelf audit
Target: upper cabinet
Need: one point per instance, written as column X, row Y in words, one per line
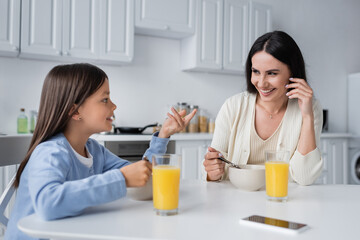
column 165, row 18
column 9, row 27
column 71, row 30
column 41, row 25
column 117, row 30
column 224, row 33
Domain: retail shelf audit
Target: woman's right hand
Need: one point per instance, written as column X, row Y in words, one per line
column 137, row 174
column 214, row 167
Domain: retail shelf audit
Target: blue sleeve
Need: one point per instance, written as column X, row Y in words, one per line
column 58, row 189
column 157, row 146
column 111, row 161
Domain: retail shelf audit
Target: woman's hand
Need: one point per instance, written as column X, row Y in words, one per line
column 214, row 167
column 137, row 174
column 175, row 123
column 303, row 92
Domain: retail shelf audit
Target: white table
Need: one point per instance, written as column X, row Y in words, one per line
column 212, row 211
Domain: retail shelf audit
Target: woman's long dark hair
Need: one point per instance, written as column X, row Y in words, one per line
column 282, row 47
column 64, row 86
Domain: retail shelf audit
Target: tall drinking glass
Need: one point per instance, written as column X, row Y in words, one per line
column 277, row 175
column 166, row 182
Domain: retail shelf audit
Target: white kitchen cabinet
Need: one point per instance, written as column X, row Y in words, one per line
column 117, row 30
column 192, row 152
column 81, row 28
column 334, row 152
column 260, row 21
column 41, row 28
column 73, row 30
column 9, row 27
column 221, row 41
column 165, row 18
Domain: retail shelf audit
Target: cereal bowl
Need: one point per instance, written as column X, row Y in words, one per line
column 141, row 193
column 249, row 177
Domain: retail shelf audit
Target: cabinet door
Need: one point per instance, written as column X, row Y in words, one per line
column 117, row 30
column 335, row 156
column 236, row 15
column 41, row 27
column 260, row 21
column 166, row 18
column 210, row 34
column 191, row 152
column 81, row 29
column 9, row 27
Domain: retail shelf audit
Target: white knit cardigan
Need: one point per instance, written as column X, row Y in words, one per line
column 232, row 136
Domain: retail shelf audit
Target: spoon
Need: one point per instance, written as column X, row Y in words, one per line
column 230, row 163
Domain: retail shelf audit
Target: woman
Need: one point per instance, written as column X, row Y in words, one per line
column 277, row 112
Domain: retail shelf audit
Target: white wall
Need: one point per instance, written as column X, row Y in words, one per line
column 142, row 91
column 326, row 31
column 328, row 34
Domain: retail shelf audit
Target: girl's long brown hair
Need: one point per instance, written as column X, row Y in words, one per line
column 64, row 86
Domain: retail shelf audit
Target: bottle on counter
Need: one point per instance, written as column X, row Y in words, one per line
column 33, row 120
column 182, row 106
column 22, row 122
column 203, row 121
column 193, row 125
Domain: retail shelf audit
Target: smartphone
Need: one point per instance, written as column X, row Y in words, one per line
column 274, row 224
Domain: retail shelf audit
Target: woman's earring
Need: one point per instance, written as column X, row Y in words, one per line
column 79, row 118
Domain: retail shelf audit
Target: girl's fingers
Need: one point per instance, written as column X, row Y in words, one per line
column 178, row 117
column 190, row 116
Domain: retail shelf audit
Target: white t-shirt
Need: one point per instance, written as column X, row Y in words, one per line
column 87, row 161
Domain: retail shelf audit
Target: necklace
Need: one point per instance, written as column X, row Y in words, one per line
column 271, row 115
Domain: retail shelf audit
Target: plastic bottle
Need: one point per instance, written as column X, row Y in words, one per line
column 33, row 120
column 22, row 122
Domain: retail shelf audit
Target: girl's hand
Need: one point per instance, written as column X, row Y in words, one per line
column 303, row 92
column 137, row 174
column 175, row 123
column 214, row 167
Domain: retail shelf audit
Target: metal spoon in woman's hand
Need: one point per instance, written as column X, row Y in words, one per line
column 228, row 162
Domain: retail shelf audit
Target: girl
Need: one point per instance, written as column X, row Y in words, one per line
column 65, row 171
column 277, row 112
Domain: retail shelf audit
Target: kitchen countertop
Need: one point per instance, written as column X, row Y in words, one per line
column 147, row 137
column 210, row 210
column 176, row 137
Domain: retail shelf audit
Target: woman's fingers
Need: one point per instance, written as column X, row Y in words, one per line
column 299, row 83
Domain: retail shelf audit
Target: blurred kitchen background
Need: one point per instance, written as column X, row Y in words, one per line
column 327, row 32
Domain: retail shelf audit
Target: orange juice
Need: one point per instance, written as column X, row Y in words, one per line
column 166, row 181
column 277, row 174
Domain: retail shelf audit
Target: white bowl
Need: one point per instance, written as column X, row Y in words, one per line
column 141, row 193
column 249, row 178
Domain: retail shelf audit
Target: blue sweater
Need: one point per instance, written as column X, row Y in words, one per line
column 55, row 184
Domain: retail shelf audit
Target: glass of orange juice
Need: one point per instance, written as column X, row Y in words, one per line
column 277, row 175
column 166, row 183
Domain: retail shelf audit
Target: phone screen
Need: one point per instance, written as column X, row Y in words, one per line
column 275, row 222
